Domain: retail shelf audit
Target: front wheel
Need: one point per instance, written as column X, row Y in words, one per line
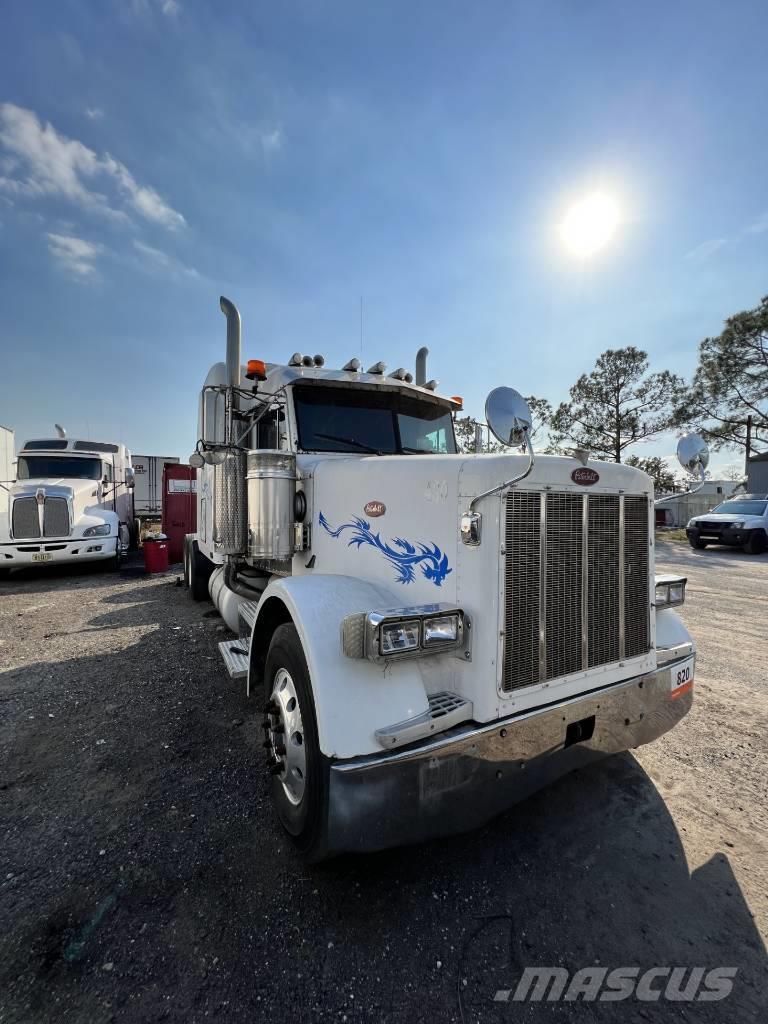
column 755, row 543
column 697, row 544
column 299, row 778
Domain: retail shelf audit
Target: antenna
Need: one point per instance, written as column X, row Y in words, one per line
column 361, row 328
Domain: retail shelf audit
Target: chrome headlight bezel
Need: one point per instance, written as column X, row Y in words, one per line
column 102, row 530
column 362, row 632
column 670, row 591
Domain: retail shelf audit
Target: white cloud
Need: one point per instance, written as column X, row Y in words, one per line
column 162, row 259
column 75, row 254
column 146, row 8
column 759, row 226
column 271, row 141
column 57, row 165
column 94, row 113
column 705, row 250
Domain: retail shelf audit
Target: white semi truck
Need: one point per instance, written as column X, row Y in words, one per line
column 71, row 502
column 427, row 636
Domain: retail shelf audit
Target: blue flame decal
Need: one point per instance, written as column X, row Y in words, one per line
column 401, row 554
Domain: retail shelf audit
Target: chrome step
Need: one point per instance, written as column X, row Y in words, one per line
column 445, row 710
column 246, row 616
column 235, row 655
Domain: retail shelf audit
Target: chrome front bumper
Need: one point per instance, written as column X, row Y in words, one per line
column 465, row 777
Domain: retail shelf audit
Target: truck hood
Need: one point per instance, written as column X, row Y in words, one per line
column 59, row 487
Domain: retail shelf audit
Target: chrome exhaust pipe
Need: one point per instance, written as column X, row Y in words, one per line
column 230, row 311
column 421, row 366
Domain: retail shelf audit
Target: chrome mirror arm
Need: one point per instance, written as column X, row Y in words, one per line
column 472, row 521
column 514, row 480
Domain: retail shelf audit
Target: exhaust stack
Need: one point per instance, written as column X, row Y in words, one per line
column 421, row 366
column 230, row 311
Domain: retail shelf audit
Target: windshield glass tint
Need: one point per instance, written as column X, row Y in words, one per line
column 743, row 508
column 33, row 467
column 361, row 420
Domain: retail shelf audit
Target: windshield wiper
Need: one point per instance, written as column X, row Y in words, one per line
column 349, row 440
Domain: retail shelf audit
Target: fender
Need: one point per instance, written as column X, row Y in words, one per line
column 670, row 628
column 353, row 697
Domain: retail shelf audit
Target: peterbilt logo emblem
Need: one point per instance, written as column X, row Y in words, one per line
column 584, row 476
column 375, row 508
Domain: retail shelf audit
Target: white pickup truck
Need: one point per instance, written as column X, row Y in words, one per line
column 427, row 636
column 71, row 502
column 740, row 522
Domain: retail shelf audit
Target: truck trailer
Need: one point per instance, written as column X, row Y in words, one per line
column 148, row 492
column 71, row 502
column 426, row 636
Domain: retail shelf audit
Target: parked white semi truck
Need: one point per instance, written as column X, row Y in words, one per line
column 427, row 636
column 71, row 502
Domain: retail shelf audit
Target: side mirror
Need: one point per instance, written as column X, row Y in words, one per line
column 508, row 416
column 130, row 478
column 693, row 455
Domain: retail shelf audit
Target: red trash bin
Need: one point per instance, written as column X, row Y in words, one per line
column 155, row 554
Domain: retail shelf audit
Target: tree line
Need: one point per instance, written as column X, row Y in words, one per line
column 621, row 402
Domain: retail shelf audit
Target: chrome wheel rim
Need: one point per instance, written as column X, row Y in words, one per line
column 285, row 737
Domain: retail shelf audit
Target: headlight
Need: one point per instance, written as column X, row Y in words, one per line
column 98, row 531
column 444, row 630
column 670, row 591
column 405, row 632
column 398, row 637
column 738, row 525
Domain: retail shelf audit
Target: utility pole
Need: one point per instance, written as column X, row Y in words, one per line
column 748, row 450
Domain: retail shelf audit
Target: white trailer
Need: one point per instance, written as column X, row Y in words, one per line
column 71, row 502
column 148, row 492
column 426, row 636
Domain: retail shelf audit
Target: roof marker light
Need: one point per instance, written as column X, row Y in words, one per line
column 295, row 359
column 377, row 368
column 307, row 361
column 353, row 366
column 458, row 400
column 431, row 385
column 319, row 361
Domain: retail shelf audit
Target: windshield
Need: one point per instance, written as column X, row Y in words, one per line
column 743, row 508
column 34, row 467
column 378, row 422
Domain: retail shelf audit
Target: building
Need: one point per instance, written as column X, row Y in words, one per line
column 675, row 510
column 757, row 474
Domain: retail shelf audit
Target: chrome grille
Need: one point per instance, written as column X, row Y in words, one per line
column 25, row 521
column 603, row 579
column 636, row 629
column 576, row 583
column 563, row 584
column 521, row 610
column 56, row 521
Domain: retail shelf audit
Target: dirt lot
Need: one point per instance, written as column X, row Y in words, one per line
column 144, row 877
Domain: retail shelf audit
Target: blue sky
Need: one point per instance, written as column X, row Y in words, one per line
column 157, row 153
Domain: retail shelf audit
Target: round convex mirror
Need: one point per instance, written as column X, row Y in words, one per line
column 508, row 416
column 693, row 453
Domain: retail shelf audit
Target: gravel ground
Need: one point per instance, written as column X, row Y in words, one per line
column 144, row 877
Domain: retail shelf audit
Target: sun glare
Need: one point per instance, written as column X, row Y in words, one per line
column 590, row 224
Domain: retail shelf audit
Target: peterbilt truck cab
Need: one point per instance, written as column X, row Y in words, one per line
column 71, row 503
column 426, row 636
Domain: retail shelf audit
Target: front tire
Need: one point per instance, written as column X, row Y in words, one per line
column 696, row 544
column 299, row 775
column 756, row 543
